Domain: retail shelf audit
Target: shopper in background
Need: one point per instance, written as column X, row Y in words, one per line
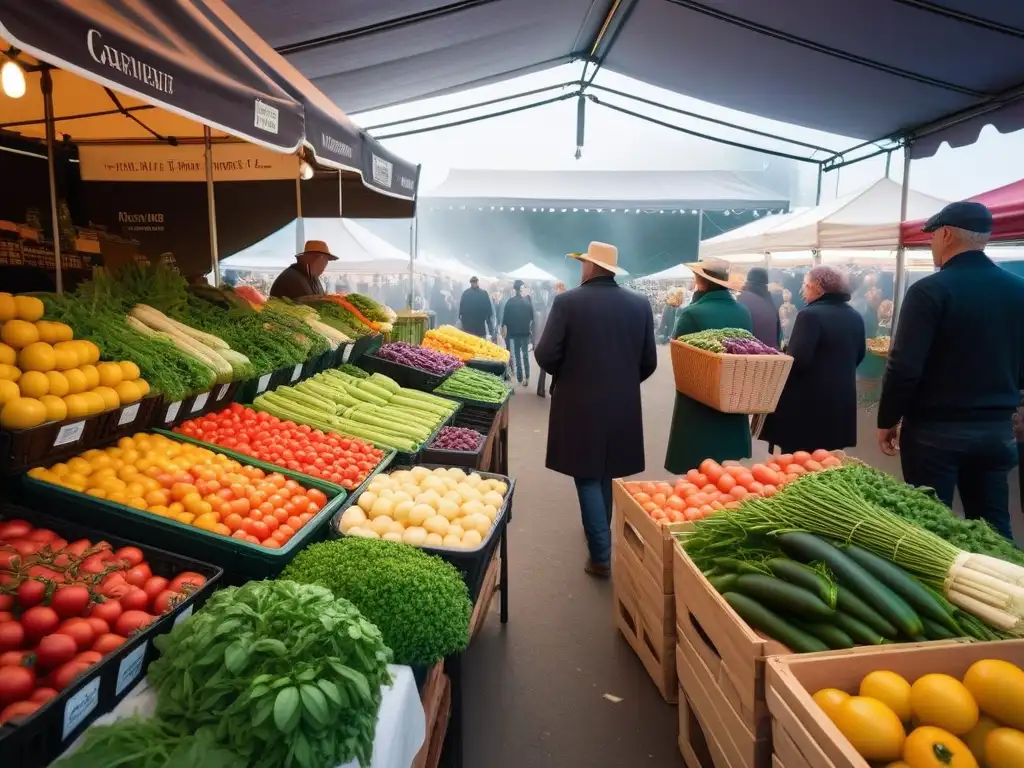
column 699, row 432
column 517, row 328
column 818, row 407
column 954, row 371
column 475, row 309
column 303, row 277
column 763, row 314
column 598, row 345
column 542, row 379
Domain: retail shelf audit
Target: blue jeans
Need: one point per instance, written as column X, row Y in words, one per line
column 974, row 457
column 596, row 507
column 519, row 346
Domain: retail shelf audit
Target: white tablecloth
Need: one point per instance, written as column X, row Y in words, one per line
column 401, row 724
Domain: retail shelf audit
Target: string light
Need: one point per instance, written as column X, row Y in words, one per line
column 12, row 79
column 305, row 170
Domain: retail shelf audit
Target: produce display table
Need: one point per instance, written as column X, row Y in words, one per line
column 401, row 724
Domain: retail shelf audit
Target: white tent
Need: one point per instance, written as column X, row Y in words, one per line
column 866, row 219
column 678, row 272
column 531, row 271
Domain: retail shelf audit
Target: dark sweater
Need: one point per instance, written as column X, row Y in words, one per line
column 294, row 283
column 517, row 317
column 959, row 346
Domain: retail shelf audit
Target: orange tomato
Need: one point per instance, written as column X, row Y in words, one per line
column 305, row 517
column 286, row 530
column 222, row 529
column 774, row 466
column 317, row 497
column 712, row 470
column 768, row 491
column 180, row 490
column 281, row 515
column 745, row 479
column 642, row 498
column 820, row 455
column 707, row 510
column 784, row 460
column 240, row 506
column 764, row 475
column 277, row 480
column 698, row 499
column 693, row 476
column 812, row 466
column 659, row 499
column 795, row 469
column 675, row 503
column 649, row 508
column 658, row 514
column 756, row 488
column 271, row 522
column 240, row 534
column 801, row 457
column 726, row 483
column 294, row 523
column 739, row 492
column 676, row 516
column 271, row 543
column 709, row 489
column 157, row 498
column 266, row 508
column 692, row 513
column 233, row 521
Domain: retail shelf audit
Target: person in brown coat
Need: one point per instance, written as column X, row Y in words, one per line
column 303, row 277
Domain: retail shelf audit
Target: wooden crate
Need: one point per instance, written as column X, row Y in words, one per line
column 647, row 638
column 483, row 603
column 692, row 743
column 808, row 737
column 436, row 700
column 659, row 607
column 650, row 542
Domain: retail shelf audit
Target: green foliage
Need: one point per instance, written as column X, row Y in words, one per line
column 419, row 602
column 151, row 743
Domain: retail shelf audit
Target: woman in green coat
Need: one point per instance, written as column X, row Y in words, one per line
column 699, row 432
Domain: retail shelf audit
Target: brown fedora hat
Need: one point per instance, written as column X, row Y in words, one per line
column 318, row 247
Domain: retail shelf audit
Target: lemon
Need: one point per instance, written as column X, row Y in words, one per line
column 18, row 334
column 71, row 352
column 110, row 374
column 944, row 702
column 94, row 401
column 890, row 689
column 110, row 398
column 76, row 381
column 22, row 413
column 52, row 333
column 33, row 384
column 79, row 466
column 9, row 372
column 91, row 353
column 8, row 391
column 56, row 409
column 64, row 359
column 7, row 355
column 38, row 356
column 7, row 309
column 58, row 383
column 129, row 370
column 77, row 407
column 143, row 386
column 28, row 308
column 92, row 376
column 128, row 392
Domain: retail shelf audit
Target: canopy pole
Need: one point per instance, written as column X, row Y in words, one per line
column 817, row 195
column 211, row 207
column 413, row 246
column 901, row 253
column 300, row 227
column 700, row 230
column 888, row 163
column 51, row 138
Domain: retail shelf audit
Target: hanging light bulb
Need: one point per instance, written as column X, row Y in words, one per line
column 12, row 79
column 305, row 170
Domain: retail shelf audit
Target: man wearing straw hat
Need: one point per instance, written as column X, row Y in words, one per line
column 598, row 346
column 303, row 277
column 699, row 432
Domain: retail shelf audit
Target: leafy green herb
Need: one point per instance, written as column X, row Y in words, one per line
column 419, row 601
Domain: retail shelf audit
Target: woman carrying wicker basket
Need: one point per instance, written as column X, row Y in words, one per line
column 699, row 432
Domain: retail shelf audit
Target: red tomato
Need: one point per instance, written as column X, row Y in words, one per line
column 167, row 600
column 99, row 626
column 81, row 631
column 14, row 529
column 19, row 710
column 108, row 610
column 12, row 635
column 42, row 695
column 138, row 575
column 30, row 592
column 89, row 657
column 107, row 642
column 38, row 621
column 135, row 599
column 42, row 535
column 70, row 600
column 56, row 649
column 6, row 602
column 65, row 674
column 132, row 621
column 16, row 684
column 15, row 658
column 131, row 555
column 154, row 586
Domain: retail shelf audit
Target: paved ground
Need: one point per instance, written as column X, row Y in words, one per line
column 535, row 688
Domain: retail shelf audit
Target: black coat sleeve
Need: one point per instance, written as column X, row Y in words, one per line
column 804, row 340
column 649, row 356
column 914, row 336
column 550, row 350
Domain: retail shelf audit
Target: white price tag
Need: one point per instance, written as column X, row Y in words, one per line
column 297, row 372
column 172, row 412
column 183, row 615
column 128, row 415
column 200, row 401
column 263, row 383
column 130, row 668
column 70, row 433
column 347, row 354
column 222, row 391
column 80, row 706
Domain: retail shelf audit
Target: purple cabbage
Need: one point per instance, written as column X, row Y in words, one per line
column 458, row 439
column 747, row 347
column 428, row 360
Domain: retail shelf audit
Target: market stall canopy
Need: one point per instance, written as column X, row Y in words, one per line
column 743, row 240
column 1006, row 204
column 531, row 271
column 333, row 138
column 606, row 189
column 905, row 66
column 866, row 219
column 139, row 71
column 678, row 272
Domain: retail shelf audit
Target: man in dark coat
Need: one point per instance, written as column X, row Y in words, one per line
column 475, row 309
column 303, row 277
column 517, row 328
column 818, row 407
column 598, row 345
column 954, row 371
column 763, row 313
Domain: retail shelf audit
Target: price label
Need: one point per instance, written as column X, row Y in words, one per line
column 183, row 615
column 172, row 412
column 263, row 383
column 222, row 391
column 80, row 706
column 200, row 401
column 131, row 668
column 347, row 354
column 70, row 433
column 297, row 372
column 128, row 415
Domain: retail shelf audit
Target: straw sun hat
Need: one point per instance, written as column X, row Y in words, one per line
column 318, row 247
column 713, row 270
column 604, row 255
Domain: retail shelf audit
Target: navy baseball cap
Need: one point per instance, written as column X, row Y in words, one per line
column 974, row 217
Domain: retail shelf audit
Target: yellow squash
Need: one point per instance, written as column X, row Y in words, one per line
column 872, row 728
column 943, row 701
column 890, row 689
column 998, row 687
column 1004, row 748
column 830, row 699
column 929, row 747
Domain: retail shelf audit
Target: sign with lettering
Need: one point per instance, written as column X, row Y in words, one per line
column 231, row 162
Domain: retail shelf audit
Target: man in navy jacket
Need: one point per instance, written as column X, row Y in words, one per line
column 954, row 371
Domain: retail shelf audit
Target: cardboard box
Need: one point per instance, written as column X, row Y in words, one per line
column 692, row 744
column 650, row 542
column 793, row 679
column 647, row 638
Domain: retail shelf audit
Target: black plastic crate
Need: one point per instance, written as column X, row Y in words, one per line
column 446, row 458
column 488, row 366
column 405, row 375
column 480, row 420
column 22, row 449
column 478, row 405
column 42, row 737
column 365, row 345
column 129, row 419
column 170, row 414
column 249, row 390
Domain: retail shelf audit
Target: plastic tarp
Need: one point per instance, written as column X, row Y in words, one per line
column 864, row 220
column 531, row 271
column 678, row 272
column 1006, row 204
column 743, row 240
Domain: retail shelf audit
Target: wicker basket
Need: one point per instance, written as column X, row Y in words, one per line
column 730, row 383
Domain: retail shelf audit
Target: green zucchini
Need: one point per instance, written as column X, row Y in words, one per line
column 723, row 583
column 809, row 548
column 385, row 382
column 368, row 385
column 848, row 602
column 935, row 631
column 904, row 585
column 732, row 565
column 858, row 631
column 782, row 596
column 829, row 634
column 804, row 576
column 760, row 618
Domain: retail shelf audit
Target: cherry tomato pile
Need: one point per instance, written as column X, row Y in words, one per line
column 65, row 605
column 711, row 488
column 344, row 461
